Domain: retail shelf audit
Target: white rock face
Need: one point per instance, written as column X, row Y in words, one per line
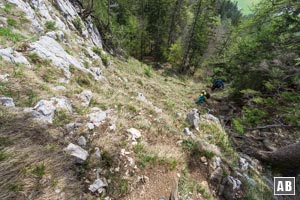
column 41, row 11
column 60, row 36
column 59, row 88
column 72, row 126
column 4, row 77
column 52, row 35
column 7, row 102
column 94, row 33
column 193, row 118
column 82, row 141
column 85, row 97
column 44, row 111
column 97, row 72
column 98, row 183
column 90, row 126
column 141, row 97
column 210, row 117
column 48, row 48
column 236, row 183
column 67, row 9
column 217, row 162
column 30, row 14
column 8, row 54
column 97, row 116
column 62, row 103
column 244, row 164
column 44, row 10
column 113, row 127
column 97, row 153
column 76, row 151
column 187, row 131
column 134, row 133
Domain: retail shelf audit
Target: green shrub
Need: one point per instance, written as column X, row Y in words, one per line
column 238, row 126
column 189, row 144
column 61, row 118
column 209, row 154
column 8, row 7
column 3, row 156
column 289, row 97
column 78, row 24
column 72, row 68
column 106, row 159
column 39, row 170
column 97, row 50
column 15, row 187
column 104, row 58
column 148, row 71
column 11, row 22
column 50, row 25
column 4, row 141
column 254, row 116
column 35, row 58
column 31, row 99
column 86, row 64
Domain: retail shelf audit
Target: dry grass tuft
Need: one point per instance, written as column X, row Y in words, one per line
column 35, row 166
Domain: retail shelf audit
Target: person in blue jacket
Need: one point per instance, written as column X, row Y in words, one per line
column 217, row 84
column 202, row 98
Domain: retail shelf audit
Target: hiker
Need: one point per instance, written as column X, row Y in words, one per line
column 217, row 84
column 206, row 94
column 202, row 98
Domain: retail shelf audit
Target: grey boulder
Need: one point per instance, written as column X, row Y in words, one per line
column 76, row 151
column 98, row 184
column 193, row 118
column 7, row 101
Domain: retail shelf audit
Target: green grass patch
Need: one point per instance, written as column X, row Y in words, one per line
column 238, row 126
column 8, row 8
column 4, row 141
column 149, row 159
column 15, row 187
column 187, row 187
column 148, row 71
column 39, row 170
column 104, row 58
column 220, row 137
column 61, row 118
column 119, row 186
column 50, row 26
column 11, row 22
column 3, row 155
column 9, row 35
column 78, row 24
column 36, row 59
column 31, row 98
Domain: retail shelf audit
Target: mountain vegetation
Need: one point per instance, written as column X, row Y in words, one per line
column 97, row 99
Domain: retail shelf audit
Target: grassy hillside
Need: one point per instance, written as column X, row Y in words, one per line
column 155, row 102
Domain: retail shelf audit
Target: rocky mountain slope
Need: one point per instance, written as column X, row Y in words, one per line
column 77, row 123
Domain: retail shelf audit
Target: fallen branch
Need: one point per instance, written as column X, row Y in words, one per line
column 272, row 126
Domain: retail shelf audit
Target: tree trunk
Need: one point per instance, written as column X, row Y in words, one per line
column 142, row 31
column 285, row 158
column 173, row 19
column 184, row 68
